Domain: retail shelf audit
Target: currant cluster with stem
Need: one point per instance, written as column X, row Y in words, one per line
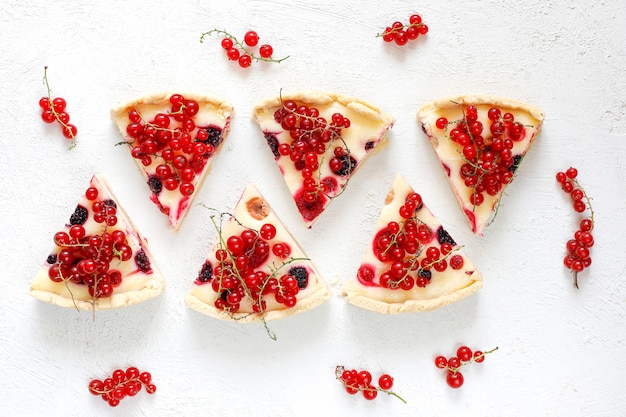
column 361, row 381
column 310, row 135
column 578, row 248
column 408, row 246
column 237, row 275
column 401, row 33
column 54, row 110
column 87, row 259
column 242, row 52
column 452, row 365
column 122, row 384
column 490, row 164
column 173, row 141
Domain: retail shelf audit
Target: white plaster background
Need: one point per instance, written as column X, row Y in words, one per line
column 562, row 350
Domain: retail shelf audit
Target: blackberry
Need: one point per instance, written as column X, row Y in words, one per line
column 79, row 216
column 369, row 145
column 155, row 184
column 444, row 237
column 516, row 161
column 215, row 136
column 206, row 273
column 110, row 203
column 348, row 164
column 142, row 261
column 425, row 273
column 52, row 259
column 301, row 275
column 273, row 144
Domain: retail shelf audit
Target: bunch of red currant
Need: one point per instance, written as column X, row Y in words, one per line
column 174, row 142
column 242, row 52
column 311, row 135
column 490, row 164
column 578, row 249
column 361, row 381
column 464, row 356
column 86, row 259
column 122, row 384
column 401, row 33
column 54, row 109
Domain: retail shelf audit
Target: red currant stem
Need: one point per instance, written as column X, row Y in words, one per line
column 339, row 371
column 397, row 30
column 241, row 46
column 455, row 370
column 54, row 112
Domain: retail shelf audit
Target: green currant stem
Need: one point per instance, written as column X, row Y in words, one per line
column 241, row 46
column 54, row 112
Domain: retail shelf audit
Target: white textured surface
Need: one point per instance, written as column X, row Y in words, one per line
column 562, row 351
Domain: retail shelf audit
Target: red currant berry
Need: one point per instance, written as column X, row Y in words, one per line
column 227, row 43
column 251, row 38
column 479, row 356
column 441, row 362
column 266, row 51
column 245, row 60
column 464, row 353
column 369, row 392
column 571, row 173
column 233, row 54
column 454, row 379
column 385, row 382
column 441, row 122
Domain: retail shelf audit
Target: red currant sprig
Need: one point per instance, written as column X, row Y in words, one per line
column 54, row 109
column 401, row 33
column 361, row 381
column 311, row 135
column 122, row 384
column 489, row 161
column 242, row 52
column 578, row 249
column 452, row 365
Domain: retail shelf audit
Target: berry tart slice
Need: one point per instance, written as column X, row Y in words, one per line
column 256, row 271
column 173, row 139
column 412, row 263
column 99, row 260
column 319, row 141
column 480, row 142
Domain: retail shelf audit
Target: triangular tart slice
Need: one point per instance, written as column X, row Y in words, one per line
column 319, row 141
column 256, row 271
column 99, row 260
column 480, row 142
column 412, row 263
column 173, row 138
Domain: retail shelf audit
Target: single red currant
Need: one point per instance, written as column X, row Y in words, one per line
column 266, row 51
column 251, row 38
